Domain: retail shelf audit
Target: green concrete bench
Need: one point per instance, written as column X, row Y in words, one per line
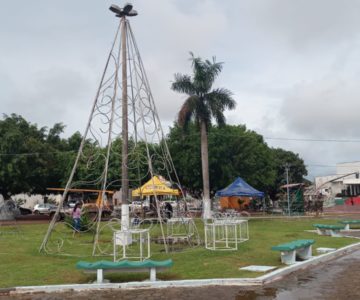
column 333, row 230
column 124, row 266
column 289, row 251
column 347, row 223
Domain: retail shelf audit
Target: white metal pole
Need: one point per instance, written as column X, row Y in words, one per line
column 125, row 223
column 287, row 188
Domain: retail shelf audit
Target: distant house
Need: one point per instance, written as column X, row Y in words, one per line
column 345, row 183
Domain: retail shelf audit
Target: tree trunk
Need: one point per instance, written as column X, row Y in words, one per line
column 205, row 172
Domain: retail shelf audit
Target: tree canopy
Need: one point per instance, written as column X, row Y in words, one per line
column 33, row 158
column 233, row 151
column 203, row 103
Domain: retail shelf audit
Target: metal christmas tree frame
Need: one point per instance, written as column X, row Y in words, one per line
column 123, row 119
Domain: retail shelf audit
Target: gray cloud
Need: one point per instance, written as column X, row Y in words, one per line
column 49, row 97
column 288, row 63
column 307, row 23
column 324, row 108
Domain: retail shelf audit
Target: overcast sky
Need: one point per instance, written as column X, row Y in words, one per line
column 293, row 66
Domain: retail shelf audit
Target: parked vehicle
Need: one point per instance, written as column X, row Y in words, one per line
column 91, row 200
column 45, row 208
column 48, row 209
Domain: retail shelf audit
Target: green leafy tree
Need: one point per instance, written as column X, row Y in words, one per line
column 237, row 151
column 297, row 169
column 53, row 137
column 182, row 146
column 22, row 165
column 33, row 158
column 233, row 151
column 202, row 105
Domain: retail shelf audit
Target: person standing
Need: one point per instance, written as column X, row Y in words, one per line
column 76, row 215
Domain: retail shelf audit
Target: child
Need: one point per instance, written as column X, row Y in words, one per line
column 76, row 215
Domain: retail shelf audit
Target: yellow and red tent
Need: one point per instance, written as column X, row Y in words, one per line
column 155, row 186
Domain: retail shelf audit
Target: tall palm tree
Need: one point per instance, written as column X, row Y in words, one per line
column 202, row 105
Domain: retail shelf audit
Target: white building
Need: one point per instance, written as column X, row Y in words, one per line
column 346, row 181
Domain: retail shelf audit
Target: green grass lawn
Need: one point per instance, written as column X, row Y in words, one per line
column 22, row 264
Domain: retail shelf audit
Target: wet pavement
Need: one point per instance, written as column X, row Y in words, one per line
column 336, row 279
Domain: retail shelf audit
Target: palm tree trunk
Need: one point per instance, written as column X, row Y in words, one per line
column 205, row 172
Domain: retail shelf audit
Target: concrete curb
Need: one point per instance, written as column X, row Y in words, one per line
column 267, row 278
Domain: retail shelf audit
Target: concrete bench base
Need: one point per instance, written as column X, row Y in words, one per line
column 100, row 272
column 347, row 223
column 332, row 230
column 289, row 257
column 301, row 249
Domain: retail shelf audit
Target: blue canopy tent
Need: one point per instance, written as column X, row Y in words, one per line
column 239, row 188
